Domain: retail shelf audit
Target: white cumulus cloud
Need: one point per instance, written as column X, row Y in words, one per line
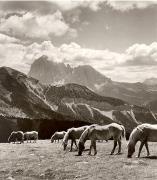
column 33, row 26
column 137, row 63
column 7, row 39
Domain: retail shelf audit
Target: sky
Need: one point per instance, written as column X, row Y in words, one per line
column 117, row 38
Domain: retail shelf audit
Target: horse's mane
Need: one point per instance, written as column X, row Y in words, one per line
column 66, row 136
column 84, row 135
column 133, row 136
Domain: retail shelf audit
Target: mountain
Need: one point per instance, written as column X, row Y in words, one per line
column 134, row 116
column 29, row 97
column 151, row 81
column 27, row 104
column 152, row 105
column 49, row 72
column 134, row 93
column 21, row 95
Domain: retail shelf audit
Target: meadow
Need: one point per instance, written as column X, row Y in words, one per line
column 45, row 160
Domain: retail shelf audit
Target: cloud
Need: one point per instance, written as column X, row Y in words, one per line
column 131, row 74
column 18, row 55
column 74, row 54
column 135, row 64
column 124, row 5
column 95, row 5
column 141, row 55
column 7, row 39
column 34, row 26
column 72, row 4
column 47, row 7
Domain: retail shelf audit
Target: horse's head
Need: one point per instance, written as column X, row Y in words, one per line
column 131, row 150
column 12, row 137
column 64, row 145
column 9, row 140
column 52, row 139
column 81, row 147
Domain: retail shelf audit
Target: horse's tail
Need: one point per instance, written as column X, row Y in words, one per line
column 123, row 132
column 36, row 135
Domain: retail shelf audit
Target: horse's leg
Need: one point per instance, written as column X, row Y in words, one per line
column 146, row 145
column 114, row 146
column 90, row 149
column 119, row 143
column 71, row 145
column 75, row 144
column 94, row 145
column 140, row 148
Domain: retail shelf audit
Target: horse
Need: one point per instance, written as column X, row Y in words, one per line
column 16, row 136
column 73, row 134
column 98, row 132
column 57, row 136
column 31, row 135
column 144, row 133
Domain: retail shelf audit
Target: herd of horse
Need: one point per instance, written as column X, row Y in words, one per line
column 144, row 133
column 19, row 136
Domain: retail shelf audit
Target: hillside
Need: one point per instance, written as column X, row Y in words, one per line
column 27, row 104
column 134, row 93
column 150, row 81
column 24, row 97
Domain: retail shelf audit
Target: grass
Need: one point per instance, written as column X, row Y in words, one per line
column 44, row 160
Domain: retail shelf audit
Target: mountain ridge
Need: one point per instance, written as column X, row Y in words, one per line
column 138, row 93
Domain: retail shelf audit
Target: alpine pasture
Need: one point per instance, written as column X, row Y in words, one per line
column 46, row 160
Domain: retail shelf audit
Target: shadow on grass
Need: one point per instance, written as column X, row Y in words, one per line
column 150, row 157
column 86, row 150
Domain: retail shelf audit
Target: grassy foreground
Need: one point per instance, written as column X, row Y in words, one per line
column 44, row 160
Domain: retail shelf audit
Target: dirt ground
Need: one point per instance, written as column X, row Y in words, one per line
column 45, row 160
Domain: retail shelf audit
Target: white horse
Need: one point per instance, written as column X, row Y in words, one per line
column 57, row 136
column 73, row 134
column 97, row 132
column 31, row 135
column 144, row 133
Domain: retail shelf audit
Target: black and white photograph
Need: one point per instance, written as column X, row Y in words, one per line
column 78, row 90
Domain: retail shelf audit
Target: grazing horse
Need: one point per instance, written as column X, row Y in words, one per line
column 57, row 136
column 97, row 132
column 73, row 134
column 144, row 133
column 31, row 135
column 17, row 136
